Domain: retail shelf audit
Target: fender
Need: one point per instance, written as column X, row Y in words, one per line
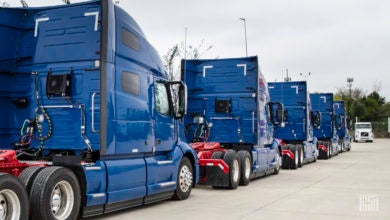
column 289, row 153
column 192, row 155
column 323, row 147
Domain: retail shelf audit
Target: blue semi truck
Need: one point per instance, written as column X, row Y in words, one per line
column 341, row 125
column 90, row 124
column 296, row 132
column 229, row 120
column 326, row 133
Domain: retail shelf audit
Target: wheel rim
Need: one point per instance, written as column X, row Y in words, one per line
column 185, row 178
column 62, row 200
column 296, row 158
column 9, row 205
column 278, row 161
column 302, row 156
column 235, row 171
column 247, row 167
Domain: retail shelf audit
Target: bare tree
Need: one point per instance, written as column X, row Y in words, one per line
column 173, row 57
column 169, row 61
column 24, row 3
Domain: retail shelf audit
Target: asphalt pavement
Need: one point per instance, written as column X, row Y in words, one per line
column 352, row 185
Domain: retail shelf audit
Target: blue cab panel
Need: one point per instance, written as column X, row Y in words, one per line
column 98, row 90
column 231, row 95
column 339, row 110
column 294, row 97
column 323, row 103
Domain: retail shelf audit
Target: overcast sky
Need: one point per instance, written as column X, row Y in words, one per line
column 332, row 39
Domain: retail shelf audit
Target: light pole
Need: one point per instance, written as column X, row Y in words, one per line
column 349, row 82
column 246, row 44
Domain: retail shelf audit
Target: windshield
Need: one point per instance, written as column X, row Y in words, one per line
column 363, row 126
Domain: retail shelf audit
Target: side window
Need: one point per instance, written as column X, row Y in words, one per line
column 161, row 96
column 130, row 83
column 130, row 40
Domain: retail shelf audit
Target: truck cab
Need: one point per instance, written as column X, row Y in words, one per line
column 229, row 120
column 363, row 132
column 296, row 131
column 88, row 112
column 326, row 131
column 341, row 125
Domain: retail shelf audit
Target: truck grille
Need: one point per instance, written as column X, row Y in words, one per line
column 364, row 134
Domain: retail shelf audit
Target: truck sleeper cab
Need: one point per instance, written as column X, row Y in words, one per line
column 341, row 125
column 326, row 132
column 296, row 133
column 88, row 113
column 228, row 120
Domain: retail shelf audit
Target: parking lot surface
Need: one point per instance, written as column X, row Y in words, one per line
column 352, row 185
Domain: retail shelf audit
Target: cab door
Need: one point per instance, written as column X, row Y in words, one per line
column 162, row 167
column 163, row 119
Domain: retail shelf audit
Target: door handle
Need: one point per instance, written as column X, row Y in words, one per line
column 158, row 141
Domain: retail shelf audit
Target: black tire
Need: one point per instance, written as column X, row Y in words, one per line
column 294, row 163
column 301, row 156
column 246, row 167
column 232, row 160
column 217, row 155
column 184, row 180
column 60, row 181
column 28, row 175
column 13, row 198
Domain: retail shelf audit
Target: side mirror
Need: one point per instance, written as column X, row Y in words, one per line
column 179, row 98
column 276, row 113
column 316, row 119
column 338, row 121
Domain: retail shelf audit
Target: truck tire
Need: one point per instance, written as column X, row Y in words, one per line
column 13, row 198
column 28, row 175
column 217, row 155
column 330, row 150
column 301, row 156
column 294, row 163
column 232, row 160
column 184, row 180
column 246, row 167
column 60, row 199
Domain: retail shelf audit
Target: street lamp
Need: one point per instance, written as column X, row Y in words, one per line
column 350, row 81
column 246, row 44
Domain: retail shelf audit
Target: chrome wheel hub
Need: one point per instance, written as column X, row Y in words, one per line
column 9, row 205
column 235, row 171
column 247, row 168
column 62, row 200
column 185, row 178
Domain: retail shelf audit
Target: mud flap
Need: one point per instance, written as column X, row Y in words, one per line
column 216, row 177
